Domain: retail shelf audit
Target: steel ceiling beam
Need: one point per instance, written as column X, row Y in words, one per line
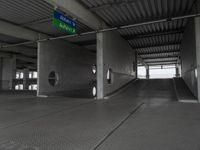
column 160, row 52
column 25, row 58
column 160, row 61
column 160, row 57
column 16, row 31
column 86, row 43
column 21, row 49
column 154, row 34
column 135, row 37
column 162, row 64
column 111, row 29
column 30, row 66
column 109, row 5
column 164, row 61
column 18, row 56
column 151, row 58
column 156, row 45
column 37, row 21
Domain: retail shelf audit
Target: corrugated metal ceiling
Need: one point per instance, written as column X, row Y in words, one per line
column 154, row 40
column 121, row 12
column 24, row 11
column 33, row 14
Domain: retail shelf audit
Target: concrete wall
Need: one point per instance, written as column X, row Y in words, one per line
column 188, row 57
column 115, row 53
column 73, row 65
column 197, row 31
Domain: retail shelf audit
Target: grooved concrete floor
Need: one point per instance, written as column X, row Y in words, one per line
column 85, row 124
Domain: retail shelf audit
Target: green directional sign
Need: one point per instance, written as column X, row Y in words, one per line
column 61, row 25
column 64, row 23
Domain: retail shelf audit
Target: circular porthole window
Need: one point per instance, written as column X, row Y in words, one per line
column 94, row 91
column 53, row 78
column 109, row 76
column 94, row 69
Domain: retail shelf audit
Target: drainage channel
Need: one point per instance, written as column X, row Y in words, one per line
column 135, row 109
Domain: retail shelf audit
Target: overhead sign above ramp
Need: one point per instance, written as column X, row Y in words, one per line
column 62, row 22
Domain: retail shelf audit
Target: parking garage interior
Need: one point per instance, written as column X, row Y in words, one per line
column 105, row 75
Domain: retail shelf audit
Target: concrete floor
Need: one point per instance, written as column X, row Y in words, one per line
column 145, row 116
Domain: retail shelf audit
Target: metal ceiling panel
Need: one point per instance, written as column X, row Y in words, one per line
column 24, row 11
column 155, row 40
column 121, row 12
column 160, row 60
column 157, row 55
column 159, row 49
column 33, row 14
column 152, row 28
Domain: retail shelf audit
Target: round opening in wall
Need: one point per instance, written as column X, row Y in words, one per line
column 94, row 69
column 53, row 78
column 109, row 76
column 94, row 91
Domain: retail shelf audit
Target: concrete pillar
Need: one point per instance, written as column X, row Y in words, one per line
column 100, row 67
column 1, row 68
column 147, row 73
column 8, row 73
column 25, row 79
column 197, row 34
column 38, row 68
column 180, row 68
column 136, row 64
column 177, row 68
column 38, row 62
column 13, row 70
column 116, row 62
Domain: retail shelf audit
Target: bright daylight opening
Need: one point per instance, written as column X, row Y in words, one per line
column 157, row 72
column 141, row 72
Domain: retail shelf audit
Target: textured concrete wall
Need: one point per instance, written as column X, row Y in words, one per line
column 188, row 57
column 73, row 65
column 113, row 52
column 197, row 32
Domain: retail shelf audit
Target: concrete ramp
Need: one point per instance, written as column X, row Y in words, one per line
column 157, row 91
column 183, row 92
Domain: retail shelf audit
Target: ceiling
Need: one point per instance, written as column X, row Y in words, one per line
column 156, row 44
